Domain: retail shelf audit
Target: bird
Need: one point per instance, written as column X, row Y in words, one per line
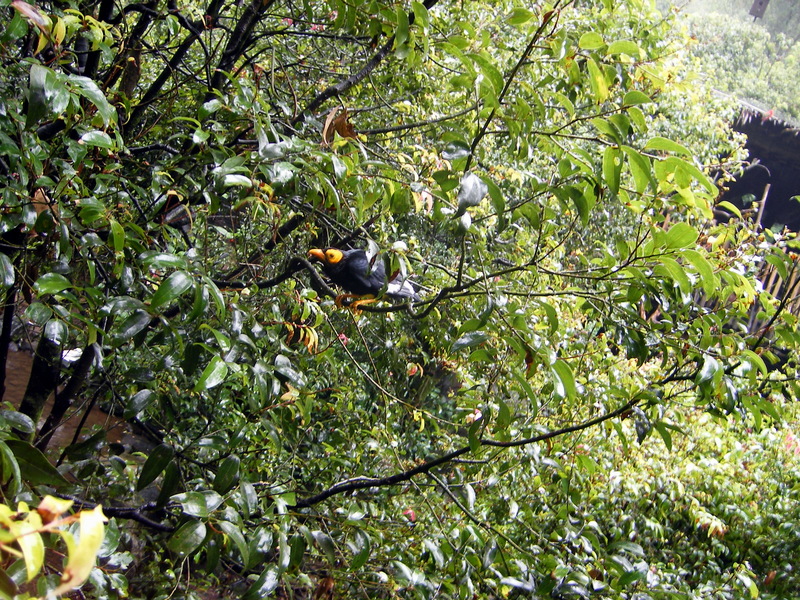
column 353, row 271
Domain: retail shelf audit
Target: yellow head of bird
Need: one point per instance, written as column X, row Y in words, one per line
column 329, row 255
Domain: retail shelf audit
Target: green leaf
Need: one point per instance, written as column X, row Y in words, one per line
column 158, row 460
column 563, row 380
column 641, row 169
column 754, row 359
column 597, row 80
column 454, row 150
column 10, row 475
column 635, row 97
column 363, row 548
column 8, row 588
column 748, row 583
column 401, row 33
column 266, row 583
column 519, row 16
column 236, row 180
column 710, row 369
column 489, row 553
column 612, row 167
column 473, row 436
column 188, row 538
column 489, row 71
column 134, row 323
column 630, row 577
column 472, row 338
column 681, row 235
column 6, row 272
column 727, row 206
column 198, row 504
column 672, row 270
column 228, row 474
column 95, row 138
column 421, row 17
column 284, row 366
column 89, row 90
column 665, row 434
column 665, row 145
column 233, row 532
column 678, row 165
column 171, row 289
column 214, row 374
column 325, row 543
column 34, row 466
column 37, row 95
column 708, row 280
column 162, row 260
column 51, row 283
column 624, row 47
column 170, row 483
column 137, row 403
column 435, row 551
column 19, row 421
column 591, row 41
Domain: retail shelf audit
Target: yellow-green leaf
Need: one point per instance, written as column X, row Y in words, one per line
column 597, row 80
column 82, row 555
column 30, row 542
column 591, row 41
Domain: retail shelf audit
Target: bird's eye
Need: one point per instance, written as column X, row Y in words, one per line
column 330, row 254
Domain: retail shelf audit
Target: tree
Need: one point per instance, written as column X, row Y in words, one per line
column 171, row 166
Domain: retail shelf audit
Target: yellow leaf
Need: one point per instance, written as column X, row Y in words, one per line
column 83, row 554
column 51, row 508
column 30, row 542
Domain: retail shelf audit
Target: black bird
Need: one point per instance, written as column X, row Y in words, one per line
column 352, row 271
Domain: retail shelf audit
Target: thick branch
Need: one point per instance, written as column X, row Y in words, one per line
column 64, row 399
column 172, row 66
column 240, row 39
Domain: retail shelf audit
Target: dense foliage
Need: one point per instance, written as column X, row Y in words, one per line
column 542, row 172
column 753, row 59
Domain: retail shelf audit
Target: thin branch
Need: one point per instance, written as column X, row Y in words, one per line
column 357, row 77
column 361, row 483
column 134, row 514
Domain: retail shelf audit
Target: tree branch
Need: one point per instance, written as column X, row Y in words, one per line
column 361, row 483
column 238, row 41
column 356, row 78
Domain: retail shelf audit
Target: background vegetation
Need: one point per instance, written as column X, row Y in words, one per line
column 594, row 397
column 757, row 60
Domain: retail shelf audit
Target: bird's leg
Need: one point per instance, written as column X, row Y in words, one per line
column 339, row 300
column 355, row 306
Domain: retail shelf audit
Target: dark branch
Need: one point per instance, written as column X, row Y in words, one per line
column 134, row 514
column 356, row 78
column 369, row 482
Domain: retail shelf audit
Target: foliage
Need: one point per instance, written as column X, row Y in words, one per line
column 754, row 61
column 540, row 170
column 24, row 548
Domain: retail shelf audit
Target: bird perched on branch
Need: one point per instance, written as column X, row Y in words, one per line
column 354, row 272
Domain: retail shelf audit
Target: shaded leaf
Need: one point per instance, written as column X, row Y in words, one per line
column 188, row 538
column 171, row 289
column 158, row 460
column 34, row 465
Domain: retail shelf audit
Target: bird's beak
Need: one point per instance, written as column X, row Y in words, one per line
column 317, row 253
